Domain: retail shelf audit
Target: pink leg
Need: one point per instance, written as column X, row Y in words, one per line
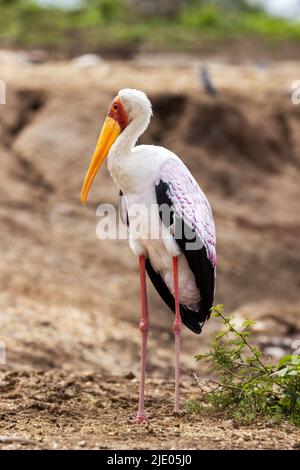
column 177, row 332
column 144, row 325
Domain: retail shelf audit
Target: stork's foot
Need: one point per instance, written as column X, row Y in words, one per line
column 179, row 413
column 140, row 419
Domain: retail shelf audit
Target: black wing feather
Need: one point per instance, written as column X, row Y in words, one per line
column 198, row 261
column 199, row 265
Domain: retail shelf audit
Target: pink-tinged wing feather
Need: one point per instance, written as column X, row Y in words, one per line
column 190, row 203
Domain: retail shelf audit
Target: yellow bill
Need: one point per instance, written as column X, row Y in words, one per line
column 109, row 133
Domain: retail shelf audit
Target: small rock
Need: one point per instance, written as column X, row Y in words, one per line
column 129, row 376
column 178, row 414
column 275, row 352
column 99, row 404
column 86, row 61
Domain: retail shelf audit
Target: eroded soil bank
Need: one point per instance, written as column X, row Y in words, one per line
column 69, row 302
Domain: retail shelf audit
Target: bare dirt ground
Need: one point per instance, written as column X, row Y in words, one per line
column 69, row 307
column 56, row 410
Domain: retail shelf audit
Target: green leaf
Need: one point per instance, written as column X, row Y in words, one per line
column 217, row 310
column 199, row 357
column 284, row 360
column 295, row 359
column 293, row 373
column 281, row 372
column 248, row 323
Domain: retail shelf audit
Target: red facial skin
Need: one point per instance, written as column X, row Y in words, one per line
column 117, row 112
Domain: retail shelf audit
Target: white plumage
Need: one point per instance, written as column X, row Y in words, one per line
column 136, row 170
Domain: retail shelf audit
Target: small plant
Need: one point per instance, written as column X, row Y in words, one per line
column 246, row 387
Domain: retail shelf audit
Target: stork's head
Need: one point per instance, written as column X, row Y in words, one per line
column 128, row 107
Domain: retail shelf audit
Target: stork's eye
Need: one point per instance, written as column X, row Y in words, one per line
column 115, row 107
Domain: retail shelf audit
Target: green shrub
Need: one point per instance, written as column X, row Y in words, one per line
column 245, row 386
column 97, row 24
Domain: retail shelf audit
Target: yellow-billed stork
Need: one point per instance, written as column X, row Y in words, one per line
column 181, row 268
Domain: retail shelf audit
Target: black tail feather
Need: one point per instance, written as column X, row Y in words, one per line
column 189, row 318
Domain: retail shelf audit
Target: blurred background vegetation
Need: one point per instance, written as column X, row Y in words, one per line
column 131, row 25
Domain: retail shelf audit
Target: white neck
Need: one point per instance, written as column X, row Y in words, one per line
column 122, row 148
column 128, row 138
